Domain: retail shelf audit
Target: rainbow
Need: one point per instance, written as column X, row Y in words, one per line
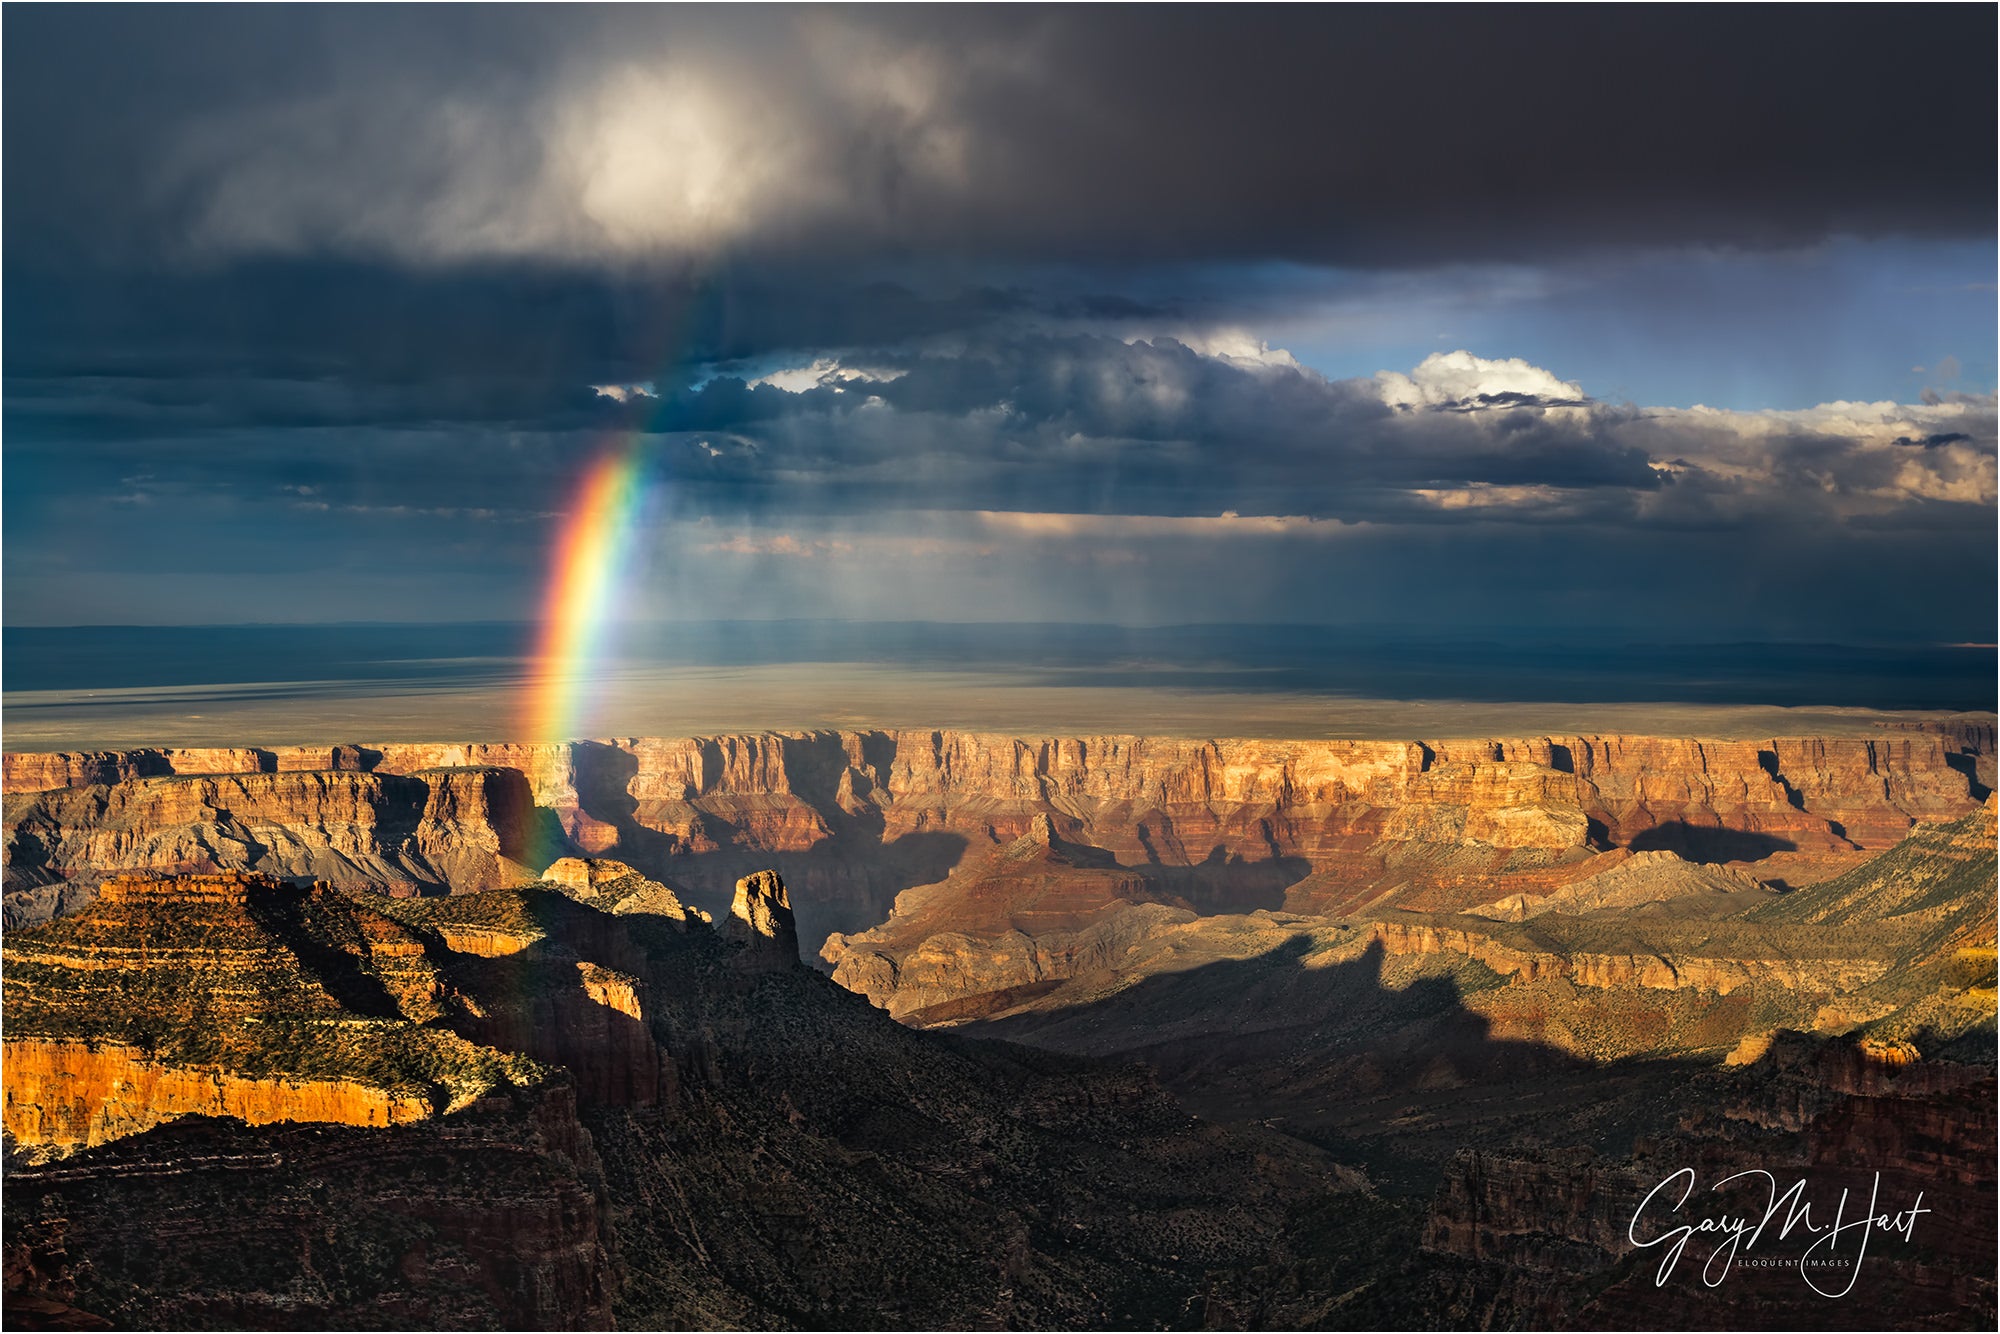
column 591, row 554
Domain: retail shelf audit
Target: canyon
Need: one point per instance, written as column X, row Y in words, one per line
column 600, row 1115
column 853, row 819
column 1104, row 1030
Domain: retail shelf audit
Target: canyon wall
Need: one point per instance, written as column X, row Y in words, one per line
column 467, row 827
column 1544, row 1238
column 852, row 819
column 68, row 1094
column 732, row 1140
column 785, row 786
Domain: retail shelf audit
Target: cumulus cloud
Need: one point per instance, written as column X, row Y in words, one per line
column 824, row 372
column 1842, row 458
column 624, row 393
column 1080, row 477
column 1237, row 346
column 1068, row 425
column 1450, row 379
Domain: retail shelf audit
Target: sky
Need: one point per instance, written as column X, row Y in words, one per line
column 1671, row 323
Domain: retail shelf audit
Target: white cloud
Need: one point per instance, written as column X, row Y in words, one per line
column 1856, row 458
column 1484, row 495
column 1866, row 455
column 826, row 372
column 1237, row 346
column 1445, row 378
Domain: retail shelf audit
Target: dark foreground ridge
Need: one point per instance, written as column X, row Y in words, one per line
column 530, row 1109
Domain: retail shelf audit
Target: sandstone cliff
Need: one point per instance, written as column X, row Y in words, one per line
column 956, row 876
column 852, row 819
column 228, row 995
column 465, row 828
column 69, row 1093
column 722, row 1146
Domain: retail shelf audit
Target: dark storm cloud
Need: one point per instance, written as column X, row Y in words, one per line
column 391, row 326
column 1512, row 399
column 1060, row 424
column 333, row 216
column 1224, row 435
column 1059, row 478
column 271, row 346
column 348, row 295
column 1345, row 134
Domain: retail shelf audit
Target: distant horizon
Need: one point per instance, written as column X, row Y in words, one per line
column 69, row 687
column 1634, row 637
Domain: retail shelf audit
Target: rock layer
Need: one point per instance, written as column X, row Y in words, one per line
column 852, row 819
column 760, row 920
column 467, row 828
column 229, row 995
column 68, row 1094
column 723, row 1147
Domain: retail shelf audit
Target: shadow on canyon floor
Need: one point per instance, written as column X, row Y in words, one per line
column 1699, row 843
column 1396, row 1079
column 846, row 880
column 1225, row 883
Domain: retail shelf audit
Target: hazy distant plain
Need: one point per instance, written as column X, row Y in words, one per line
column 113, row 689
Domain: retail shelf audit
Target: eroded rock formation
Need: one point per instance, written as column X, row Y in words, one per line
column 852, row 819
column 468, row 828
column 228, row 995
column 673, row 1140
column 760, row 920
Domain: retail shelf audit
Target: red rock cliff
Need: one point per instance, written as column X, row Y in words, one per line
column 697, row 811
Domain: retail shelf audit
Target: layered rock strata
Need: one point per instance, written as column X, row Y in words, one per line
column 852, row 819
column 228, row 995
column 697, row 1131
column 466, row 827
column 1895, row 948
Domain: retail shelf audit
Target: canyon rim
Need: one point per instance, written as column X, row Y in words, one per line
column 968, row 667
